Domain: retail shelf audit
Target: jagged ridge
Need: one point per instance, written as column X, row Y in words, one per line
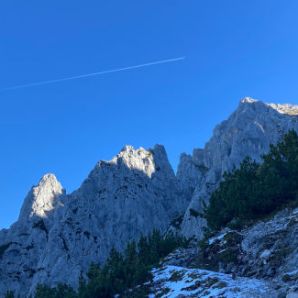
column 57, row 236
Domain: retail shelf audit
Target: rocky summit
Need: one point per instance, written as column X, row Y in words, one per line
column 58, row 235
column 249, row 131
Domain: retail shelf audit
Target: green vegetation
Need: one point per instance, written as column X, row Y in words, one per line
column 61, row 291
column 122, row 273
column 254, row 190
column 9, row 294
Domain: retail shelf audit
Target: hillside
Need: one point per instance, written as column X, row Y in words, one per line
column 259, row 261
column 58, row 236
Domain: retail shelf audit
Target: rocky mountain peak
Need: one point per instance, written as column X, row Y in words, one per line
column 249, row 131
column 146, row 161
column 138, row 159
column 123, row 198
column 287, row 109
column 128, row 196
column 248, row 99
column 42, row 198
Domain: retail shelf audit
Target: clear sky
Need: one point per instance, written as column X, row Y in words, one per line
column 233, row 49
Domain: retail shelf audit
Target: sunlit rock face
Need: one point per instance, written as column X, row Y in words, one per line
column 249, row 131
column 57, row 236
column 22, row 245
column 42, row 198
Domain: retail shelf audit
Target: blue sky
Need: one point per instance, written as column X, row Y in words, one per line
column 233, row 49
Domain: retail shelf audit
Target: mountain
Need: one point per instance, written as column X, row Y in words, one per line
column 57, row 236
column 249, row 131
column 22, row 246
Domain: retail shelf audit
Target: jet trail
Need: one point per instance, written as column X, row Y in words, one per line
column 93, row 74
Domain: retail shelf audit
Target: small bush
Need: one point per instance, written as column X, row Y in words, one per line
column 61, row 291
column 9, row 294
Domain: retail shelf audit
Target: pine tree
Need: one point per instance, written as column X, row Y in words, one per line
column 253, row 191
column 9, row 294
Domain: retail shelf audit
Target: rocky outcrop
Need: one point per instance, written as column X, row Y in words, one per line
column 22, row 245
column 257, row 261
column 174, row 281
column 57, row 236
column 268, row 250
column 42, row 199
column 249, row 131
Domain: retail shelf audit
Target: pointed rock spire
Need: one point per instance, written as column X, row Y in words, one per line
column 42, row 198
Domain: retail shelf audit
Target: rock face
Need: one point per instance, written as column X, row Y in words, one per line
column 22, row 245
column 57, row 236
column 267, row 250
column 41, row 199
column 249, row 131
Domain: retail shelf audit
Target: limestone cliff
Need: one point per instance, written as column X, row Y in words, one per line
column 249, row 131
column 57, row 236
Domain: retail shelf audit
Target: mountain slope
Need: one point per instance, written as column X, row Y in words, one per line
column 258, row 261
column 57, row 237
column 249, row 131
column 22, row 245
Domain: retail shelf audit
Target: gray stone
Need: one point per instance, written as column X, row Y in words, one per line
column 57, row 236
column 249, row 131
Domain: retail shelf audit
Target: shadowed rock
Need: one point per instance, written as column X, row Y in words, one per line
column 57, row 236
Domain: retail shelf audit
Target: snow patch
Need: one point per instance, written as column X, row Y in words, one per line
column 172, row 281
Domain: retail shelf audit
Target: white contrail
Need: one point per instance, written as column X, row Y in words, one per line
column 94, row 74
